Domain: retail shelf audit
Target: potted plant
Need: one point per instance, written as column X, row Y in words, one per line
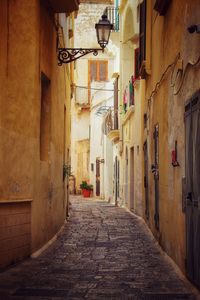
column 86, row 189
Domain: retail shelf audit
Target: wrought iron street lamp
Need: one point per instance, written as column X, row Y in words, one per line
column 103, row 29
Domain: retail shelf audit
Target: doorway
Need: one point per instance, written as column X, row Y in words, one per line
column 155, row 170
column 132, row 178
column 116, row 180
column 97, row 177
column 146, row 184
column 126, row 177
column 192, row 205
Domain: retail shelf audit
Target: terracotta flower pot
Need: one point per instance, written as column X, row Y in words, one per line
column 86, row 193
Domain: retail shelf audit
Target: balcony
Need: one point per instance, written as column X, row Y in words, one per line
column 113, row 16
column 64, row 6
column 111, row 125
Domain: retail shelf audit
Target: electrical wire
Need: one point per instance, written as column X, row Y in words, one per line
column 189, row 64
column 173, row 64
column 173, row 79
column 95, row 89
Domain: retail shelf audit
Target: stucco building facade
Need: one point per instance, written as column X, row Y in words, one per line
column 171, row 83
column 35, row 98
column 156, row 146
column 93, row 92
column 165, row 118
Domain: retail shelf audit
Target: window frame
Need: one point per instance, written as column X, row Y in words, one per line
column 90, row 61
column 98, row 62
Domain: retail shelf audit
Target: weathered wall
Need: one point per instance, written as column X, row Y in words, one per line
column 28, row 40
column 108, row 169
column 80, row 132
column 83, row 157
column 19, row 35
column 167, row 110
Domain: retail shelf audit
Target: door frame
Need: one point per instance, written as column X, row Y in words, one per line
column 191, row 205
column 146, row 179
column 132, row 178
column 98, row 190
column 155, row 170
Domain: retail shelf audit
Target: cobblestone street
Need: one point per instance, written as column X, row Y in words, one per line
column 103, row 252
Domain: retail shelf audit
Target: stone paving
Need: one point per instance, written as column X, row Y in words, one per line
column 103, row 252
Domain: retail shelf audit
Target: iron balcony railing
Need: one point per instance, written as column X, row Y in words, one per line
column 113, row 16
column 110, row 121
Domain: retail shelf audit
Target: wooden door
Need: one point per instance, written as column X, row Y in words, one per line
column 192, row 202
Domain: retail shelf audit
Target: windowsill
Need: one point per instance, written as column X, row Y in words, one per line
column 84, row 105
column 128, row 114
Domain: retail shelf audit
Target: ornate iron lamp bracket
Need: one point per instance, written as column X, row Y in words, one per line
column 67, row 55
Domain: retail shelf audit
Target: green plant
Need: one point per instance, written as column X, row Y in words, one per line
column 66, row 170
column 89, row 187
column 86, row 186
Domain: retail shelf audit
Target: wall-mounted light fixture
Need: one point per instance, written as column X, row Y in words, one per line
column 103, row 29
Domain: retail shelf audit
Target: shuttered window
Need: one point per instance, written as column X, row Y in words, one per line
column 103, row 66
column 93, row 71
column 98, row 70
column 136, row 62
column 142, row 36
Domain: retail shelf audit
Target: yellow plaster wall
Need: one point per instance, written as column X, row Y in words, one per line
column 132, row 121
column 170, row 36
column 28, row 47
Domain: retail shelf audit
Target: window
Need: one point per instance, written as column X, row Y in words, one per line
column 45, row 118
column 142, row 36
column 136, row 62
column 98, row 70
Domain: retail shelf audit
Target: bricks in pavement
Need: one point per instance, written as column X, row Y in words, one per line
column 103, row 252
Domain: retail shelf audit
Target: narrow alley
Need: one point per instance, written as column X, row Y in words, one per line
column 99, row 149
column 103, row 252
